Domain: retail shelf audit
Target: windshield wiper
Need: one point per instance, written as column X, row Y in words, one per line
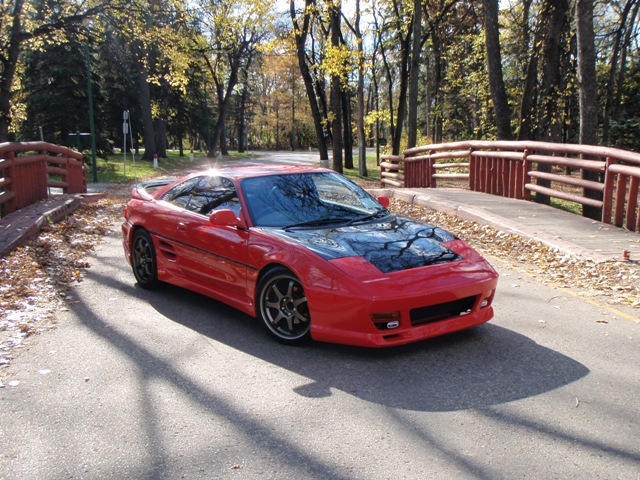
column 364, row 218
column 318, row 222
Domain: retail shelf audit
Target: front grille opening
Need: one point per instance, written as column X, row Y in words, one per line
column 434, row 313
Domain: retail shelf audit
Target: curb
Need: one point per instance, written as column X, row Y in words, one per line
column 25, row 224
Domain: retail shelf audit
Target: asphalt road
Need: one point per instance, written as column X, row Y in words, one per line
column 170, row 384
column 294, row 158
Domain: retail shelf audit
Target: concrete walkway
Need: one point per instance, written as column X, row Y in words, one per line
column 565, row 231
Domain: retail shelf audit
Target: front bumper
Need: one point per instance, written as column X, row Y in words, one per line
column 419, row 303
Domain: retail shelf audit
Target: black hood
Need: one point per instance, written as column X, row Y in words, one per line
column 392, row 245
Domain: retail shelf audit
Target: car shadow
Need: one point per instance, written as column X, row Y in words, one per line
column 473, row 369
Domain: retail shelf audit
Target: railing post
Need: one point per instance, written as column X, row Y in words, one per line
column 424, row 169
column 498, row 172
column 473, row 171
column 484, row 174
column 10, row 206
column 526, row 167
column 513, row 179
column 67, row 168
column 407, row 167
column 632, row 200
column 621, row 193
column 431, row 182
column 607, row 195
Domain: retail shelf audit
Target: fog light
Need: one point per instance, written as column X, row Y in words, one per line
column 487, row 301
column 386, row 320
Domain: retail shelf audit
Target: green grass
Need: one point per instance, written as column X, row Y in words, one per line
column 565, row 205
column 373, row 169
column 115, row 169
column 572, row 207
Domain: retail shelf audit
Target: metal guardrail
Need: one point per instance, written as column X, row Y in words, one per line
column 29, row 169
column 515, row 169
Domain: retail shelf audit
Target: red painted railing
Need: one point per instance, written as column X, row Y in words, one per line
column 513, row 169
column 28, row 169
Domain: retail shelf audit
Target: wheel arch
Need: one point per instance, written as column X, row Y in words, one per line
column 131, row 231
column 261, row 274
column 272, row 266
column 145, row 263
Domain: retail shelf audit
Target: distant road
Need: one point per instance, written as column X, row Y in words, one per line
column 295, row 158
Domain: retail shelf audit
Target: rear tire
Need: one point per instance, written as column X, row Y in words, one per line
column 283, row 307
column 143, row 260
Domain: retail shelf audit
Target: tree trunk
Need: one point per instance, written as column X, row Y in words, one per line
column 277, row 109
column 346, row 127
column 362, row 148
column 301, row 33
column 145, row 105
column 437, row 125
column 587, row 73
column 554, row 16
column 376, row 106
column 588, row 94
column 529, row 100
column 242, row 120
column 551, row 72
column 390, row 84
column 9, row 61
column 161, row 122
column 224, row 98
column 414, row 74
column 293, row 143
column 336, row 91
column 402, row 98
column 499, row 97
column 405, row 50
column 224, row 146
column 613, row 65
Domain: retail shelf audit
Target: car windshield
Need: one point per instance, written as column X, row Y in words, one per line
column 308, row 200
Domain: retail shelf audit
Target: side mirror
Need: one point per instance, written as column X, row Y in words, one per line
column 384, row 201
column 224, row 218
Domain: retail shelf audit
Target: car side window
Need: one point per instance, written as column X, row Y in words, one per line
column 181, row 193
column 214, row 193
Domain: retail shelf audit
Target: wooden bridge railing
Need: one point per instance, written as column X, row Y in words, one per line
column 516, row 169
column 28, row 169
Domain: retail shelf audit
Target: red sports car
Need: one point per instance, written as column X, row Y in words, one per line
column 309, row 252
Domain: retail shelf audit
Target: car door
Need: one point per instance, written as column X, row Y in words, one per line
column 167, row 229
column 213, row 256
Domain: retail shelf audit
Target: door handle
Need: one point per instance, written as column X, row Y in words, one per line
column 182, row 227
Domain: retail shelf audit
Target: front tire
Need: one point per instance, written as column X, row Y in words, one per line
column 283, row 307
column 143, row 260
